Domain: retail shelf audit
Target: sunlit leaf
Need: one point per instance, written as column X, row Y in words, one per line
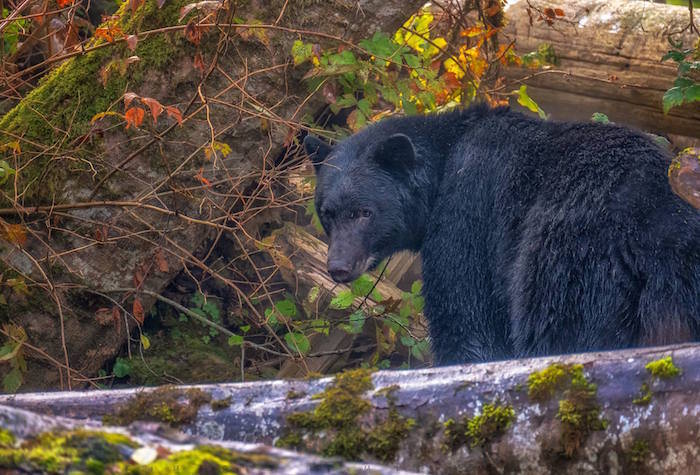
column 343, row 300
column 526, row 101
column 145, row 342
column 298, row 342
column 134, row 117
column 235, row 340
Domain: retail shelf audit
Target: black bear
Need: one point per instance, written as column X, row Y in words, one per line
column 536, row 237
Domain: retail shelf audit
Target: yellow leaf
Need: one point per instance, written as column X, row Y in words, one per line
column 145, row 342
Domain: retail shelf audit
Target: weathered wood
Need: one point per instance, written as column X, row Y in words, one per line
column 652, row 434
column 609, row 56
column 255, row 459
column 301, row 258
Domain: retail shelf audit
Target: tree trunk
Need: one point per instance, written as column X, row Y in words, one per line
column 631, row 411
column 129, row 207
column 609, row 60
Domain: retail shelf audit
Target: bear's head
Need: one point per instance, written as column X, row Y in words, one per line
column 363, row 199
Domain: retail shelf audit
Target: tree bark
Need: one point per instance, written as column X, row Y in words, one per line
column 629, row 416
column 609, row 55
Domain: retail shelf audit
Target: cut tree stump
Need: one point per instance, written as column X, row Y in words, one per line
column 631, row 411
column 609, row 54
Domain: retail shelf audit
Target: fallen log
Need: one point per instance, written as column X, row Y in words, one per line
column 84, row 444
column 609, row 60
column 631, row 411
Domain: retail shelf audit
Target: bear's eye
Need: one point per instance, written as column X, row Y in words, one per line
column 366, row 213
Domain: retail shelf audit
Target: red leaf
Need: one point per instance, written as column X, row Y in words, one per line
column 193, row 33
column 64, row 3
column 138, row 277
column 175, row 113
column 549, row 12
column 134, row 117
column 202, row 179
column 132, row 41
column 451, row 81
column 138, row 311
column 155, row 107
column 558, row 12
column 161, row 263
column 199, row 63
column 13, row 233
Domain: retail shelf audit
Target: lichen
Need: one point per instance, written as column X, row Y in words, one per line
column 166, row 404
column 663, row 368
column 337, row 426
column 644, row 397
column 578, row 410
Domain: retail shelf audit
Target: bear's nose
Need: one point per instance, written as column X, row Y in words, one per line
column 340, row 271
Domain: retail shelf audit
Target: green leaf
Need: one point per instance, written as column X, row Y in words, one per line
column 211, row 309
column 235, row 340
column 421, row 350
column 380, row 45
column 6, row 171
column 362, row 286
column 692, row 93
column 407, row 341
column 346, row 57
column 356, row 323
column 412, row 61
column 12, row 381
column 245, row 328
column 416, row 286
column 343, row 300
column 675, row 55
column 526, row 101
column 320, row 326
column 145, row 342
column 600, row 118
column 122, row 368
column 270, row 316
column 673, row 97
column 286, row 308
column 301, row 52
column 198, row 299
column 298, row 341
column 363, row 105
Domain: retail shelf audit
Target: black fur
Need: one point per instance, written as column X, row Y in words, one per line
column 536, row 237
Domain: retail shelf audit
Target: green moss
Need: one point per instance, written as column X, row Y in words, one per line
column 479, row 430
column 644, row 395
column 492, row 422
column 165, row 404
column 663, row 368
column 579, row 412
column 639, row 452
column 292, row 394
column 336, row 427
column 88, row 452
column 220, row 404
column 59, row 110
column 77, row 451
column 542, row 385
column 7, row 439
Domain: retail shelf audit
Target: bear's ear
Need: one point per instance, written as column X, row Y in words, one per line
column 316, row 149
column 396, row 152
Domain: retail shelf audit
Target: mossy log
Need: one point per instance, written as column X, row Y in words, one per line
column 128, row 207
column 608, row 56
column 33, row 443
column 631, row 411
